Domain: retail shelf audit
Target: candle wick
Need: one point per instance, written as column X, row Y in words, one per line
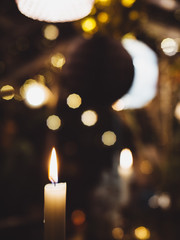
column 54, row 183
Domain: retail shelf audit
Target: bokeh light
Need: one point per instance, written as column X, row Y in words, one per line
column 74, row 100
column 177, row 111
column 118, row 105
column 34, row 93
column 142, row 233
column 169, row 46
column 109, row 138
column 117, row 233
column 53, row 122
column 164, row 200
column 133, row 15
column 104, row 3
column 153, row 202
column 103, row 17
column 146, row 167
column 50, row 32
column 127, row 3
column 126, row 159
column 58, row 60
column 7, row 92
column 78, row 217
column 89, row 25
column 89, row 118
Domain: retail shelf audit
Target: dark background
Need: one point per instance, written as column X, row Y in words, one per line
column 87, row 165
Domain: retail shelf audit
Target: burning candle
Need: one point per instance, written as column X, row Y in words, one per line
column 54, row 203
column 125, row 171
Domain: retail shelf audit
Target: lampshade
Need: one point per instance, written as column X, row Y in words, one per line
column 144, row 86
column 55, row 10
column 99, row 69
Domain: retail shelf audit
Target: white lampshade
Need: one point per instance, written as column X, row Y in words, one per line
column 144, row 86
column 55, row 10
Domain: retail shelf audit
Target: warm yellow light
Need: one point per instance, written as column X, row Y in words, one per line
column 118, row 105
column 35, row 94
column 164, row 200
column 74, row 100
column 146, row 167
column 103, row 2
column 51, row 32
column 133, row 15
column 7, row 92
column 109, row 138
column 177, row 111
column 78, row 217
column 103, row 17
column 89, row 118
column 127, row 3
column 53, row 122
column 58, row 60
column 129, row 36
column 142, row 233
column 88, row 24
column 53, row 167
column 169, row 46
column 126, row 159
column 117, row 233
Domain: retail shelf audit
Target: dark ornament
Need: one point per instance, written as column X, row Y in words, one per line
column 99, row 69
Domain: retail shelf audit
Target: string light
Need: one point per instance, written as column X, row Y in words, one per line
column 109, row 138
column 34, row 93
column 104, row 3
column 127, row 3
column 53, row 122
column 117, row 233
column 7, row 92
column 74, row 100
column 58, row 60
column 169, row 46
column 142, row 233
column 103, row 17
column 89, row 118
column 89, row 25
column 50, row 32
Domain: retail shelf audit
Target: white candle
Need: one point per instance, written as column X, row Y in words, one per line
column 54, row 203
column 125, row 171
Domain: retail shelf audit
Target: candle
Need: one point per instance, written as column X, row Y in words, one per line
column 125, row 163
column 54, row 203
column 125, row 171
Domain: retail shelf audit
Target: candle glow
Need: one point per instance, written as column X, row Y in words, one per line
column 126, row 159
column 54, row 203
column 53, row 167
column 125, row 162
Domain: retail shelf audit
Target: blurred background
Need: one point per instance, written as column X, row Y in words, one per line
column 92, row 88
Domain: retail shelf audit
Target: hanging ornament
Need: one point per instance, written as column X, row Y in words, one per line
column 99, row 69
column 55, row 10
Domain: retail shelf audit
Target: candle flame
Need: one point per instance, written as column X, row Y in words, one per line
column 126, row 159
column 53, row 167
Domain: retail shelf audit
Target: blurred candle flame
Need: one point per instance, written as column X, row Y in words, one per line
column 126, row 162
column 126, row 159
column 53, row 167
